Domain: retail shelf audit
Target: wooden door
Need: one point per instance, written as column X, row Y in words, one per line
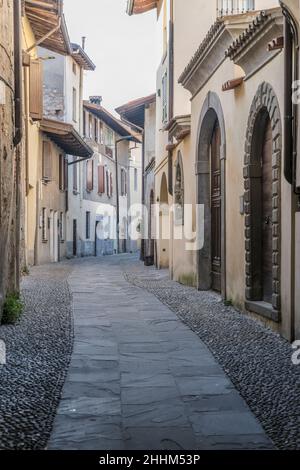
column 267, row 237
column 216, row 208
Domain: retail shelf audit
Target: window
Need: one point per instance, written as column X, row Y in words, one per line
column 101, row 179
column 44, row 224
column 110, row 137
column 75, row 176
column 90, row 175
column 123, row 182
column 36, row 90
column 74, row 68
column 101, row 133
column 165, row 97
column 88, row 225
column 74, row 104
column 61, row 227
column 47, row 161
column 135, row 179
column 90, row 126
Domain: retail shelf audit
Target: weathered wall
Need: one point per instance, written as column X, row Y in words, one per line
column 8, row 214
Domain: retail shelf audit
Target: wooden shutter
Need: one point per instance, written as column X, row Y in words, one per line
column 47, row 161
column 101, row 179
column 36, row 90
column 89, row 175
column 66, row 174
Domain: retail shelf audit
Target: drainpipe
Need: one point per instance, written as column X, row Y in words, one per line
column 18, row 72
column 171, row 91
column 288, row 104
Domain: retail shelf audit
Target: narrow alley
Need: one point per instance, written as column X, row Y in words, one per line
column 139, row 377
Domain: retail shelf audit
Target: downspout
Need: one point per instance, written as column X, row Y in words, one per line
column 290, row 139
column 18, row 133
column 171, row 91
column 291, row 61
column 18, row 72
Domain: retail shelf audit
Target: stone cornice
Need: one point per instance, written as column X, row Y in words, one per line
column 179, row 127
column 250, row 49
column 211, row 52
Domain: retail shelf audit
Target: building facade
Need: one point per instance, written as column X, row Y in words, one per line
column 141, row 114
column 11, row 168
column 50, row 139
column 107, row 184
column 225, row 154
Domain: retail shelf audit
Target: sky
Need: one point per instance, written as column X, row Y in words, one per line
column 121, row 46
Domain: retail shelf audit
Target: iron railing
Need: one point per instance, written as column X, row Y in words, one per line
column 234, row 7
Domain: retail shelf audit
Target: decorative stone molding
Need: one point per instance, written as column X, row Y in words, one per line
column 211, row 52
column 250, row 50
column 211, row 111
column 179, row 127
column 264, row 100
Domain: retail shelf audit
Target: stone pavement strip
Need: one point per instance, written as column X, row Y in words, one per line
column 141, row 379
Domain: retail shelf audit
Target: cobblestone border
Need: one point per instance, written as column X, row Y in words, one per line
column 39, row 349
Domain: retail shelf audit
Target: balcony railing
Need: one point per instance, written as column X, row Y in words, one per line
column 234, row 7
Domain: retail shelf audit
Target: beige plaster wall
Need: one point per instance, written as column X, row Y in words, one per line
column 236, row 105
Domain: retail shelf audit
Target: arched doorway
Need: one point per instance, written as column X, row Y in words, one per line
column 164, row 224
column 262, row 204
column 210, row 171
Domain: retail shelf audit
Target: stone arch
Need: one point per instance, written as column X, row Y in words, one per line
column 211, row 114
column 264, row 106
column 179, row 190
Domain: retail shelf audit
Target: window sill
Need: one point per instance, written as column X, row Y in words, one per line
column 264, row 309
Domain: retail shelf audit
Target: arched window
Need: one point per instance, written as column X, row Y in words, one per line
column 179, row 191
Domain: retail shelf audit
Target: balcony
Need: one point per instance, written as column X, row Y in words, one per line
column 234, row 7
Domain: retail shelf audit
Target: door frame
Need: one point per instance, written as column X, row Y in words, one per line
column 265, row 102
column 211, row 111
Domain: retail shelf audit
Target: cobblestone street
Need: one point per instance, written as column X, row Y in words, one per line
column 139, row 377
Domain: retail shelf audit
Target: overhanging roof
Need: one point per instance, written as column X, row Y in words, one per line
column 81, row 57
column 134, row 111
column 48, row 24
column 110, row 120
column 66, row 137
column 136, row 7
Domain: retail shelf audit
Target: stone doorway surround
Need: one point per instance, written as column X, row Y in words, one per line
column 264, row 102
column 211, row 111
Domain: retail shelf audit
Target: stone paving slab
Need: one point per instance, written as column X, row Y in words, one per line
column 141, row 379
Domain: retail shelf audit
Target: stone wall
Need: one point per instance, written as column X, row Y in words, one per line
column 8, row 161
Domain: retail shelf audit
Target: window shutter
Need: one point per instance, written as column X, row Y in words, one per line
column 101, row 178
column 47, row 160
column 36, row 90
column 66, row 174
column 89, row 175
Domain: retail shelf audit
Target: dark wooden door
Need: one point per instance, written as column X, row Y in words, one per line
column 216, row 208
column 267, row 237
column 74, row 237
